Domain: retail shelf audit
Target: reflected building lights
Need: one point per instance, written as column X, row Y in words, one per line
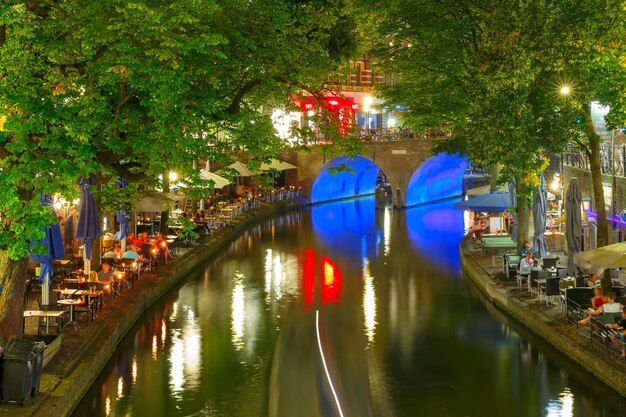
column 154, row 347
column 268, row 274
column 562, row 407
column 107, row 406
column 163, row 332
column 191, row 344
column 238, row 312
column 120, row 388
column 176, row 359
column 387, row 231
column 369, row 303
column 134, row 370
column 278, row 277
column 174, row 312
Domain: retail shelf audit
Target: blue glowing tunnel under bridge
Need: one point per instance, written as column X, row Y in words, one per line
column 438, row 178
column 334, row 182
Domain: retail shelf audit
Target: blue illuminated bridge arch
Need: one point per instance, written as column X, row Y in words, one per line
column 440, row 177
column 345, row 177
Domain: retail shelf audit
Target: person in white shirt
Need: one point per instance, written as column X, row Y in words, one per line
column 526, row 263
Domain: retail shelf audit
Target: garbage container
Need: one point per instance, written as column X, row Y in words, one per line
column 38, row 350
column 17, row 371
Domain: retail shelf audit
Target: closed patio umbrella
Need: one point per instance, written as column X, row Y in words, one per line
column 88, row 228
column 573, row 224
column 513, row 195
column 540, row 206
column 122, row 217
column 53, row 243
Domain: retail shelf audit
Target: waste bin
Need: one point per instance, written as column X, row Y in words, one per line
column 38, row 350
column 17, row 371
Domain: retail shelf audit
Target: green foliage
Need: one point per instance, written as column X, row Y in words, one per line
column 134, row 90
column 188, row 229
column 490, row 72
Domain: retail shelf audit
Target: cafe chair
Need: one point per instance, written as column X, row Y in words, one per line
column 550, row 289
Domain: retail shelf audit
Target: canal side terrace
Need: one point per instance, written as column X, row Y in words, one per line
column 595, row 354
column 85, row 352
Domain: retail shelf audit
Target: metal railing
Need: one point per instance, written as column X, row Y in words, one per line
column 608, row 153
column 388, row 135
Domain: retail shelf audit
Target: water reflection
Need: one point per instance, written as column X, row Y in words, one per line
column 369, row 302
column 238, row 312
column 379, row 297
column 436, row 231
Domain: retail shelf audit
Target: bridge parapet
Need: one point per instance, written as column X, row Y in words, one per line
column 398, row 160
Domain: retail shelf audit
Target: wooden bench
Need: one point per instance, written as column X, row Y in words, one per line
column 48, row 314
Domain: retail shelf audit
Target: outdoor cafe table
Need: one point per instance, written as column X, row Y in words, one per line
column 71, row 302
column 90, row 294
column 48, row 314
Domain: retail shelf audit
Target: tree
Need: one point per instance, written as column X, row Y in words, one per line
column 490, row 73
column 137, row 89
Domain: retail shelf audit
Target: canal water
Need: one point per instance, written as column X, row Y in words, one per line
column 339, row 310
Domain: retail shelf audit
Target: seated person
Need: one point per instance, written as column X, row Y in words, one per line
column 106, row 274
column 596, row 302
column 145, row 238
column 609, row 307
column 146, row 250
column 536, row 266
column 526, row 264
column 130, row 239
column 594, row 281
column 131, row 253
column 112, row 254
column 477, row 230
column 160, row 243
column 618, row 337
column 527, row 248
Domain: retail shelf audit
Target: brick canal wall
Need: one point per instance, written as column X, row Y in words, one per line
column 599, row 366
column 89, row 359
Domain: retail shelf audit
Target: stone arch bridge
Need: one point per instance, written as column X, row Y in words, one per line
column 414, row 174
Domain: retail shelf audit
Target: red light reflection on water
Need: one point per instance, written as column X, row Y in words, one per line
column 331, row 280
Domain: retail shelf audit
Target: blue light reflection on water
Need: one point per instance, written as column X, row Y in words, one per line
column 354, row 221
column 437, row 230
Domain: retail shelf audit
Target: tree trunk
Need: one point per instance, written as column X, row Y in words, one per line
column 523, row 219
column 165, row 215
column 494, row 174
column 13, row 286
column 596, row 182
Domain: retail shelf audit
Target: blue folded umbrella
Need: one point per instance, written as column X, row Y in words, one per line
column 52, row 241
column 88, row 228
